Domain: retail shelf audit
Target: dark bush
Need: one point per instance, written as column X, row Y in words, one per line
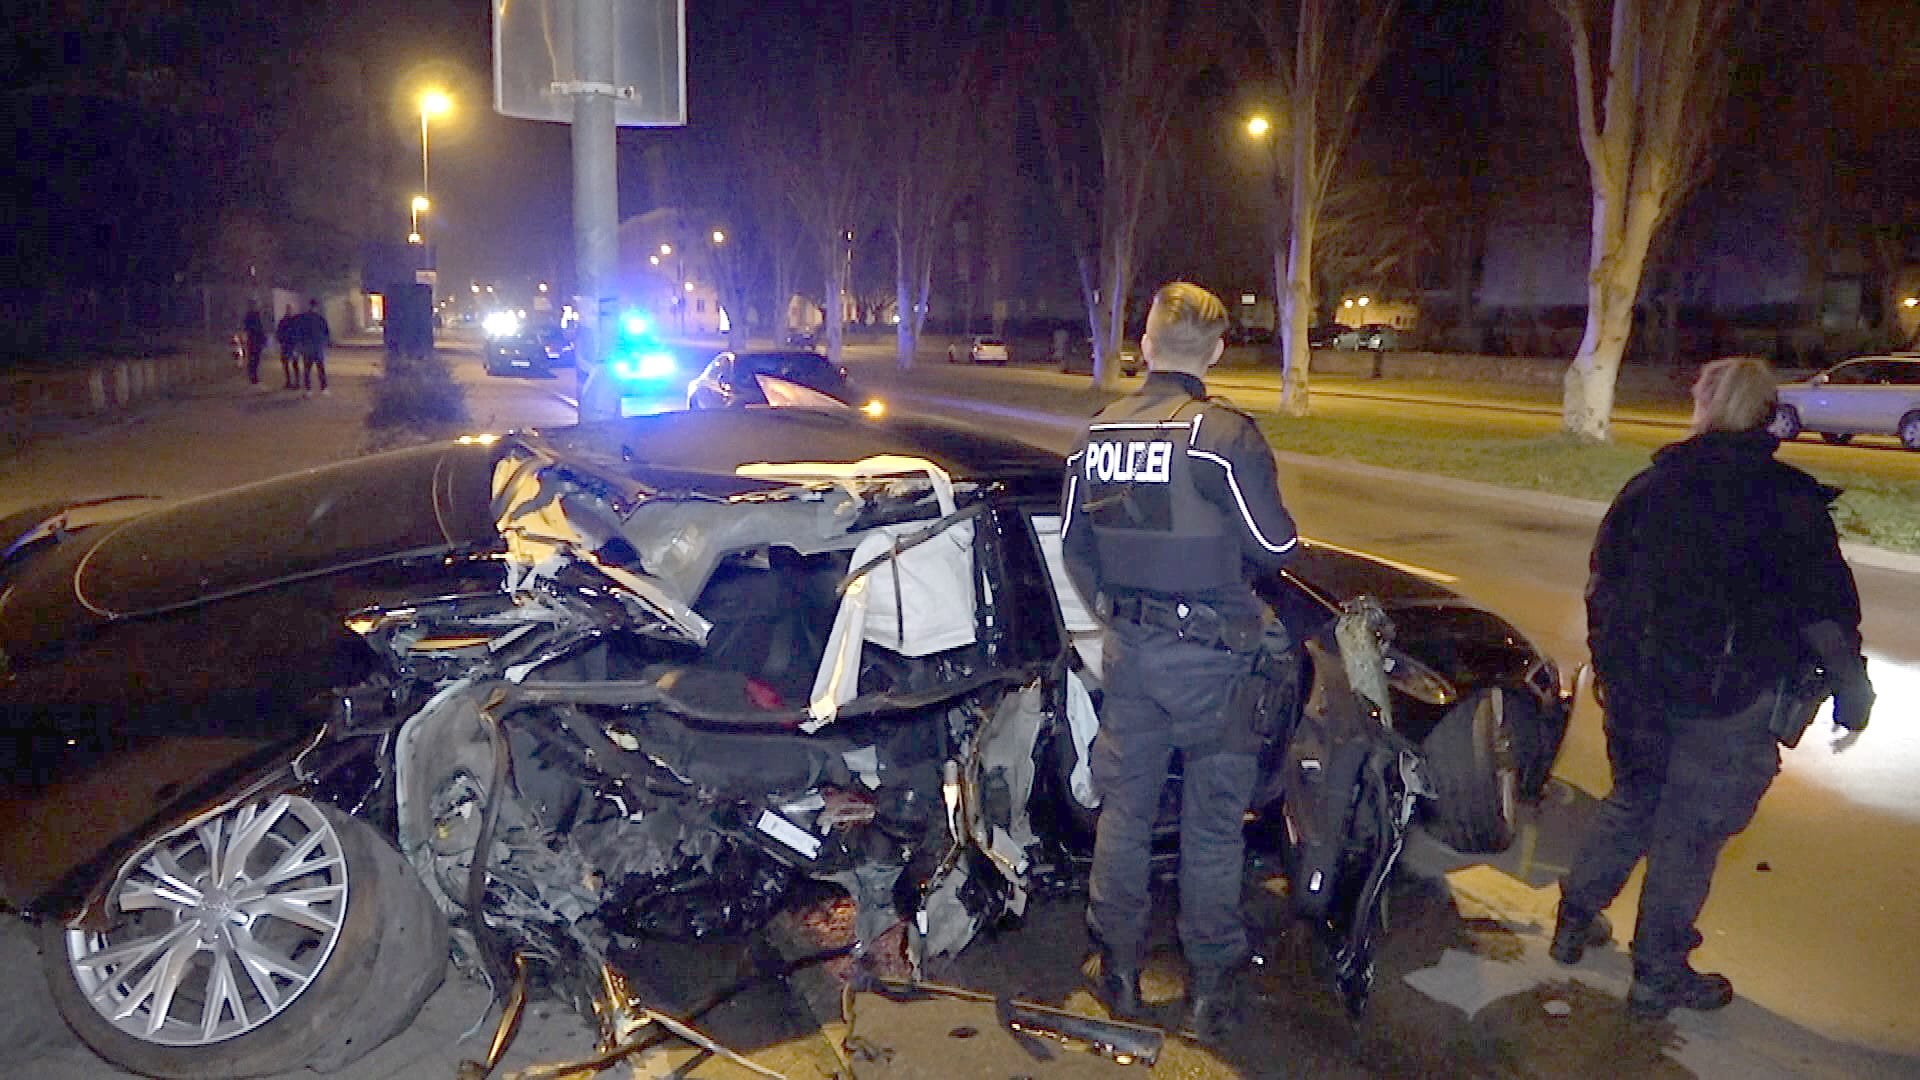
column 417, row 394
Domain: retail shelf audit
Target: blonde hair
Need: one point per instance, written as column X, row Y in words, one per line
column 1185, row 323
column 1734, row 394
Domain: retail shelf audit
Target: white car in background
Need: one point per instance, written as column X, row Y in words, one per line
column 1867, row 395
column 988, row 350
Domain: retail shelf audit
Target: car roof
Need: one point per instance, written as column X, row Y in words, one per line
column 700, row 451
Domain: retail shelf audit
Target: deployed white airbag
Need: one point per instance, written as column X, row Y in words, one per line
column 916, row 600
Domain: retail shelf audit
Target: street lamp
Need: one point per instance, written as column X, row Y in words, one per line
column 1258, row 125
column 719, row 237
column 420, row 205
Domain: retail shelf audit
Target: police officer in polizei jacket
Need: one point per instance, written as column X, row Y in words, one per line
column 1168, row 503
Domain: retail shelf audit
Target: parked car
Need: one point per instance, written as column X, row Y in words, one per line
column 1375, row 336
column 529, row 351
column 987, row 350
column 552, row 696
column 1080, row 358
column 802, row 339
column 775, row 377
column 1867, row 395
column 1324, row 337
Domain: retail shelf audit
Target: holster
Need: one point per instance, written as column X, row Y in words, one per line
column 1267, row 701
column 1799, row 696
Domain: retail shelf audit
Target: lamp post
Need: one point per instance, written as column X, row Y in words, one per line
column 432, row 103
column 1260, row 127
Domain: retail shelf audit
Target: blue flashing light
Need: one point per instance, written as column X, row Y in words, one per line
column 644, row 367
column 635, row 324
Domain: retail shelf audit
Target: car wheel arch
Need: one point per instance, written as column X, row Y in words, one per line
column 1785, row 424
column 1909, row 430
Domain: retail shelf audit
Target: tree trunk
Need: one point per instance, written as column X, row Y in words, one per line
column 1296, row 384
column 906, row 327
column 1297, row 312
column 1613, row 284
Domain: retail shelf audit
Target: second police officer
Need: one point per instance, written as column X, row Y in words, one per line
column 1171, row 502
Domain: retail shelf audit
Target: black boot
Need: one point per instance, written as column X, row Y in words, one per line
column 1117, row 985
column 1214, row 1008
column 1574, row 932
column 1653, row 995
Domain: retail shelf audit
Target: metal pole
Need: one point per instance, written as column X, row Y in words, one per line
column 595, row 202
column 425, row 188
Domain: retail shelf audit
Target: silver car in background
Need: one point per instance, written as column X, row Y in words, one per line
column 1867, row 395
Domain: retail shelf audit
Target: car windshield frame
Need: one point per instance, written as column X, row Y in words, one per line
column 791, row 366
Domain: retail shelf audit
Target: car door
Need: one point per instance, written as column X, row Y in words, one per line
column 1892, row 391
column 1841, row 402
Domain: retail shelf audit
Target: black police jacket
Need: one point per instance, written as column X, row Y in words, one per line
column 1704, row 570
column 1173, row 495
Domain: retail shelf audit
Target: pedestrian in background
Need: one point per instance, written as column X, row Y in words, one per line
column 284, row 334
column 254, row 329
column 1715, row 572
column 1170, row 498
column 312, row 337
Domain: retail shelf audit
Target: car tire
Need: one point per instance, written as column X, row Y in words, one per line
column 1836, row 438
column 344, row 936
column 1475, row 779
column 1785, row 424
column 1910, row 431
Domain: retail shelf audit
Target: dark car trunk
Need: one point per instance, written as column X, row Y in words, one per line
column 140, row 660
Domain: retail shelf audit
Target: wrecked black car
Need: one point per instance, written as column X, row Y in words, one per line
column 268, row 754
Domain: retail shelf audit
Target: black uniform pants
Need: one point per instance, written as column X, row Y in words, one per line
column 1682, row 787
column 1163, row 694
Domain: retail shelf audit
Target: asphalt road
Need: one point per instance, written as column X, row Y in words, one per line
column 1819, row 942
column 1813, row 912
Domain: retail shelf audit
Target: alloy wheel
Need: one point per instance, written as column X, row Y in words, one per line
column 218, row 928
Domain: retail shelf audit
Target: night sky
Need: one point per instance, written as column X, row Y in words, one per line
column 1473, row 93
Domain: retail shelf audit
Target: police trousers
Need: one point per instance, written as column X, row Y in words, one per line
column 1164, row 694
column 1682, row 787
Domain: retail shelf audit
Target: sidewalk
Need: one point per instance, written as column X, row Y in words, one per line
column 46, row 404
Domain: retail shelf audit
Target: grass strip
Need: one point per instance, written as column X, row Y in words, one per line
column 1874, row 510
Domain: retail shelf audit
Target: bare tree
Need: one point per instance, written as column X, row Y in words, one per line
column 935, row 99
column 1646, row 136
column 829, row 177
column 1138, row 55
column 1324, row 58
column 758, row 256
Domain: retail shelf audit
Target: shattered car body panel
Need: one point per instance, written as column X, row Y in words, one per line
column 609, row 684
column 706, row 774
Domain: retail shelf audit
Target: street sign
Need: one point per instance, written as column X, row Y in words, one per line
column 534, row 73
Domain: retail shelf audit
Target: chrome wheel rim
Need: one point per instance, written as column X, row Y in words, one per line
column 218, row 928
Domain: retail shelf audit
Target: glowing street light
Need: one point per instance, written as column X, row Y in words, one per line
column 666, row 249
column 420, row 205
column 719, row 237
column 1258, row 125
